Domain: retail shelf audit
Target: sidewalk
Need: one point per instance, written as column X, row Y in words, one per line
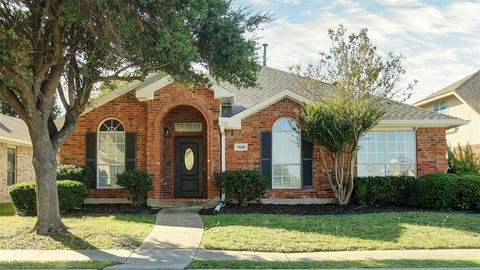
column 438, row 254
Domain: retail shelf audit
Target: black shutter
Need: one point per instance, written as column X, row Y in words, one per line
column 307, row 164
column 266, row 155
column 130, row 150
column 91, row 156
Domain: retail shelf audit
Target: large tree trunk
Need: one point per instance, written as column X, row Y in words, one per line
column 45, row 164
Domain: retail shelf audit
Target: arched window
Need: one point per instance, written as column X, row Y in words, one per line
column 286, row 153
column 111, row 153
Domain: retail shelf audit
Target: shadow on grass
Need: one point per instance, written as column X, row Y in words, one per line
column 385, row 227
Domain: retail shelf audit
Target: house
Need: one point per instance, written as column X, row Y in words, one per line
column 460, row 99
column 182, row 136
column 15, row 154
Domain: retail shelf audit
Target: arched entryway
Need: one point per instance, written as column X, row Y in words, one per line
column 183, row 153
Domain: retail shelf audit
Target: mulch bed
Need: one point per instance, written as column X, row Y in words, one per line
column 307, row 209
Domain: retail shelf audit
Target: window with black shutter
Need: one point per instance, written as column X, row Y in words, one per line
column 266, row 155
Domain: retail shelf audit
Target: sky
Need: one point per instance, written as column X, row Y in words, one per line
column 440, row 40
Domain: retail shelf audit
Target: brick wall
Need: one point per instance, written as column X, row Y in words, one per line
column 24, row 167
column 431, row 151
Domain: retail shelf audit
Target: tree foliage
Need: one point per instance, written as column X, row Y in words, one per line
column 462, row 160
column 68, row 47
column 352, row 85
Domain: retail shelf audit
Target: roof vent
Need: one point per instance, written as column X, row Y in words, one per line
column 265, row 54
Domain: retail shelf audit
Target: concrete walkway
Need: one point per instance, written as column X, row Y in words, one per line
column 172, row 243
column 438, row 254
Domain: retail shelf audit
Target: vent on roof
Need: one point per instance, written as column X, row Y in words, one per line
column 188, row 127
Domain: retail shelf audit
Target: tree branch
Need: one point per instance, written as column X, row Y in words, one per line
column 14, row 101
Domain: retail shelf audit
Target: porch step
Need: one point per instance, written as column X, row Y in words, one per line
column 185, row 204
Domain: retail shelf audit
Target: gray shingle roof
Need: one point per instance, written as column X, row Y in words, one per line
column 272, row 81
column 13, row 129
column 467, row 88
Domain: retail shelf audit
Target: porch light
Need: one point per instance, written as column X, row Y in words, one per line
column 166, row 132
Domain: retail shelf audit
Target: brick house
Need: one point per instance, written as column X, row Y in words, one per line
column 182, row 136
column 16, row 154
column 460, row 99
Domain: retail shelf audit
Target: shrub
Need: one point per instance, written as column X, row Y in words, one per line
column 24, row 197
column 138, row 183
column 437, row 190
column 246, row 185
column 70, row 195
column 383, row 190
column 468, row 191
column 82, row 174
column 463, row 160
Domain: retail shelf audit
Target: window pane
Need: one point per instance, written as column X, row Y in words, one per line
column 111, row 152
column 387, row 153
column 286, row 153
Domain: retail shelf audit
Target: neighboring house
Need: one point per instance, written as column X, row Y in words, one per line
column 15, row 154
column 182, row 136
column 460, row 99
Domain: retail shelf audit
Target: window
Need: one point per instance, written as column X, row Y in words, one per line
column 440, row 107
column 384, row 153
column 188, row 127
column 286, row 154
column 11, row 166
column 111, row 153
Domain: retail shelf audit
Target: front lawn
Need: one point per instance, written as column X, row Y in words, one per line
column 308, row 233
column 87, row 231
column 56, row 265
column 230, row 264
column 7, row 209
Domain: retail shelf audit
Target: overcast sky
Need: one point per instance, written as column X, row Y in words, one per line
column 439, row 39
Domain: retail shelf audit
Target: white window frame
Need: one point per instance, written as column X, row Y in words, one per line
column 437, row 105
column 384, row 131
column 299, row 156
column 98, row 151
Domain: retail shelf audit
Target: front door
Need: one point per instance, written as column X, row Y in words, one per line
column 188, row 168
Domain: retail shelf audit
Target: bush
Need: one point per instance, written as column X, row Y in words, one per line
column 246, row 185
column 463, row 160
column 437, row 190
column 138, row 183
column 24, row 197
column 82, row 174
column 468, row 191
column 383, row 190
column 70, row 195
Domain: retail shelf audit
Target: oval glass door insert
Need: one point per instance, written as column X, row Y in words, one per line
column 189, row 159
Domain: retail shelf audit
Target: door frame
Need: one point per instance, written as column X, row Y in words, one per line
column 202, row 167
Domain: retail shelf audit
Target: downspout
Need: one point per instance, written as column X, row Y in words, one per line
column 221, row 203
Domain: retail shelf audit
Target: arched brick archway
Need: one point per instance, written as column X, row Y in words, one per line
column 163, row 147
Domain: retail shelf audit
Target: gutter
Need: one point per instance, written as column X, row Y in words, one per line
column 221, row 203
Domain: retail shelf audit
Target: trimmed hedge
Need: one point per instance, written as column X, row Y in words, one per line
column 437, row 191
column 245, row 185
column 383, row 190
column 82, row 174
column 70, row 195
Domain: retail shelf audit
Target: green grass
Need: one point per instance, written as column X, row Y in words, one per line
column 7, row 209
column 301, row 233
column 231, row 264
column 56, row 265
column 89, row 231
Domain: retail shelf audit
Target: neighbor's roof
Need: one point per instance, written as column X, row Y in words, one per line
column 14, row 130
column 271, row 82
column 468, row 89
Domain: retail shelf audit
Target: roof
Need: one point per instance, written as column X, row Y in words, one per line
column 14, row 130
column 468, row 89
column 272, row 86
column 271, row 82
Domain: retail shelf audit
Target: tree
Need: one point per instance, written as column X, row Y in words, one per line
column 463, row 160
column 352, row 85
column 68, row 47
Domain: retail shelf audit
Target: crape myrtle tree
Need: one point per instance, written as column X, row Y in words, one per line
column 352, row 85
column 69, row 47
